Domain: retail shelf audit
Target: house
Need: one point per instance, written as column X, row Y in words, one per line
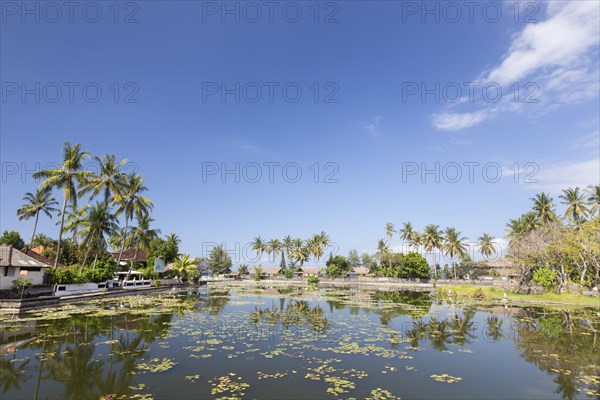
column 15, row 264
column 358, row 272
column 233, row 275
column 503, row 267
column 307, row 271
column 38, row 256
column 266, row 272
column 136, row 256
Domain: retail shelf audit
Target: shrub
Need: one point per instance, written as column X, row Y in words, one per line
column 478, row 294
column 20, row 284
column 156, row 282
column 313, row 280
column 545, row 277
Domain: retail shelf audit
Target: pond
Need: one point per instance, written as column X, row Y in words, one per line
column 299, row 343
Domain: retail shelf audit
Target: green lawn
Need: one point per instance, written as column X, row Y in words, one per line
column 494, row 293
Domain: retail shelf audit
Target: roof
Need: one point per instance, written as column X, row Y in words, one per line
column 43, row 259
column 499, row 263
column 359, row 270
column 309, row 270
column 132, row 255
column 267, row 270
column 11, row 257
column 38, row 249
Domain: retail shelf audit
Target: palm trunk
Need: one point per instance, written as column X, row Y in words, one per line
column 60, row 232
column 87, row 251
column 37, row 215
column 123, row 241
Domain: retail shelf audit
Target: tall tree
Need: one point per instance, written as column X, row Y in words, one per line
column 389, row 231
column 219, row 261
column 415, row 241
column 453, row 245
column 98, row 225
column 273, row 247
column 486, row 245
column 68, row 177
column 131, row 203
column 594, row 199
column 577, row 210
column 258, row 245
column 75, row 217
column 432, row 240
column 543, row 208
column 110, row 180
column 406, row 231
column 41, row 201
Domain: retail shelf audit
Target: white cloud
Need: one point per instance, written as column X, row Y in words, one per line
column 458, row 121
column 555, row 177
column 559, row 56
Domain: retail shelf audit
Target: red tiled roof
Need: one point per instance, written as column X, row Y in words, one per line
column 132, row 255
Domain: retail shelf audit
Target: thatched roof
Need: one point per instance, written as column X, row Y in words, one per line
column 309, row 270
column 359, row 270
column 267, row 270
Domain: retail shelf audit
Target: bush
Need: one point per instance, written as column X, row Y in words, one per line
column 156, row 282
column 20, row 284
column 104, row 271
column 478, row 294
column 545, row 277
column 313, row 280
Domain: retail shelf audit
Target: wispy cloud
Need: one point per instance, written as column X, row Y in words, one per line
column 558, row 57
column 373, row 127
column 555, row 177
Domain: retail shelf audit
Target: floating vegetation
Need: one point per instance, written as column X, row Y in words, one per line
column 381, row 394
column 155, row 365
column 228, row 384
column 192, row 378
column 446, row 378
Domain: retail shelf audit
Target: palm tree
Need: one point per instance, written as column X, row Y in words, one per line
column 142, row 234
column 389, row 231
column 42, row 201
column 273, row 246
column 324, row 239
column 300, row 251
column 315, row 247
column 287, row 244
column 576, row 205
column 130, row 202
column 259, row 246
column 406, row 231
column 521, row 226
column 486, row 245
column 432, row 240
column 543, row 207
column 75, row 217
column 110, row 180
column 67, row 177
column 382, row 249
column 415, row 241
column 184, row 265
column 99, row 222
column 453, row 245
column 594, row 199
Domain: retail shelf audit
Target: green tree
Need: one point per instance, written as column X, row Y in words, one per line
column 41, row 201
column 432, row 240
column 486, row 245
column 243, row 269
column 594, row 199
column 389, row 231
column 219, row 261
column 453, row 245
column 577, row 210
column 12, row 238
column 68, row 177
column 131, row 203
column 337, row 266
column 99, row 224
column 171, row 247
column 184, row 266
column 415, row 241
column 273, row 247
column 110, row 180
column 414, row 266
column 74, row 218
column 353, row 258
column 543, row 208
column 259, row 246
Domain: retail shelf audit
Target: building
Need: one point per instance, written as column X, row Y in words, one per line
column 358, row 272
column 16, row 264
column 503, row 267
column 266, row 272
column 132, row 257
column 307, row 271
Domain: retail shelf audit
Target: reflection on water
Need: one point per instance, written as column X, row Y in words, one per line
column 277, row 343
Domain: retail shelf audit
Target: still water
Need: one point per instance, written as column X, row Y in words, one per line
column 299, row 343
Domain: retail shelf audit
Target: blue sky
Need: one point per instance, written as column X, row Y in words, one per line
column 364, row 124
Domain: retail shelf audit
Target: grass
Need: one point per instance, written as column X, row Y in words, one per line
column 494, row 293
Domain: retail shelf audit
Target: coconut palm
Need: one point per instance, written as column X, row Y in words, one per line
column 315, row 246
column 184, row 265
column 432, row 240
column 273, row 247
column 544, row 209
column 98, row 225
column 300, row 251
column 406, row 231
column 41, row 201
column 415, row 241
column 68, row 177
column 453, row 245
column 75, row 217
column 516, row 228
column 259, row 246
column 142, row 234
column 287, row 244
column 389, row 231
column 577, row 209
column 110, row 179
column 486, row 245
column 131, row 203
column 594, row 199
